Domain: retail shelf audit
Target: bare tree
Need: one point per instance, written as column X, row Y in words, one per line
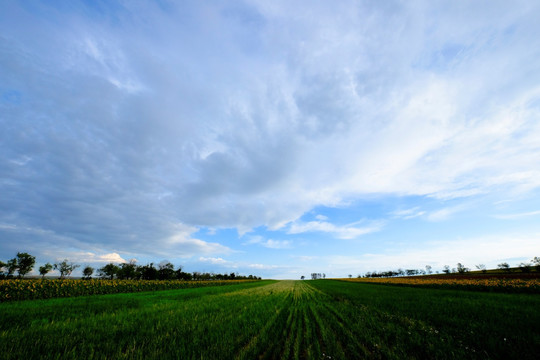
column 481, row 267
column 461, row 268
column 65, row 268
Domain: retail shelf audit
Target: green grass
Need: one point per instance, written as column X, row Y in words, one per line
column 275, row 320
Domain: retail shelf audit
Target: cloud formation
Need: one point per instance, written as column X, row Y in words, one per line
column 127, row 128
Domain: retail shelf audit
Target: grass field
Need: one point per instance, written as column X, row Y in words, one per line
column 324, row 319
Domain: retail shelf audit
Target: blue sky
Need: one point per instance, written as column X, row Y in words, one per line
column 274, row 138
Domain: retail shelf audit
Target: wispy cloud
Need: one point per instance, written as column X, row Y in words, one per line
column 213, row 260
column 349, row 231
column 517, row 215
column 408, row 213
column 269, row 243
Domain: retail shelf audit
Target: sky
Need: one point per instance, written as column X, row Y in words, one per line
column 273, row 138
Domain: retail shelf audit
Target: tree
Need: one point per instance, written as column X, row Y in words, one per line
column 87, row 272
column 461, row 268
column 65, row 268
column 165, row 271
column 410, row 272
column 504, row 266
column 428, row 269
column 302, row 277
column 180, row 275
column 108, row 271
column 481, row 267
column 148, row 272
column 44, row 269
column 12, row 266
column 128, row 270
column 25, row 263
column 536, row 262
column 525, row 267
column 3, row 267
column 446, row 269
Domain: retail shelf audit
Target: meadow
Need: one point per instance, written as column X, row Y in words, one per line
column 323, row 319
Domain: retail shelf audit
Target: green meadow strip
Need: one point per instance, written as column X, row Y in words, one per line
column 275, row 320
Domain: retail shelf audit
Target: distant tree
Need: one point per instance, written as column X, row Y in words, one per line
column 148, row 272
column 165, row 271
column 481, row 267
column 428, row 269
column 25, row 263
column 410, row 272
column 536, row 262
column 3, row 268
column 65, row 268
column 324, row 276
column 12, row 266
column 461, row 268
column 350, row 276
column 108, row 271
column 302, row 277
column 446, row 269
column 87, row 272
column 44, row 269
column 504, row 266
column 525, row 267
column 128, row 270
column 181, row 275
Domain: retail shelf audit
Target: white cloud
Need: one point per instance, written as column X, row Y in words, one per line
column 443, row 214
column 181, row 243
column 350, row 231
column 269, row 243
column 262, row 266
column 214, row 260
column 277, row 244
column 88, row 257
column 517, row 215
column 408, row 213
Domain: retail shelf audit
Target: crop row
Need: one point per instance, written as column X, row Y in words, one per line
column 478, row 284
column 18, row 289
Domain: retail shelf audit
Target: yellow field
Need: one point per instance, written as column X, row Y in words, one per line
column 17, row 289
column 493, row 283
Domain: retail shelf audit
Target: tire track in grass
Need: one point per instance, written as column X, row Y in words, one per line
column 263, row 345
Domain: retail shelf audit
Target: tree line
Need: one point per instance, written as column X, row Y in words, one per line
column 23, row 263
column 459, row 269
